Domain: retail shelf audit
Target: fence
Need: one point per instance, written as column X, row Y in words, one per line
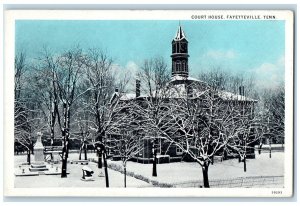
column 240, row 182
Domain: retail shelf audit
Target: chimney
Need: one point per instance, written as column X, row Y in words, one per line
column 242, row 92
column 116, row 89
column 138, row 88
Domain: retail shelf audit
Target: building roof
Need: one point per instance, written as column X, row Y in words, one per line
column 179, row 90
column 127, row 96
column 231, row 96
column 182, row 78
column 179, row 34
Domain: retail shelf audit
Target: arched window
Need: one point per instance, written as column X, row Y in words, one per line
column 183, row 65
column 187, row 67
column 178, row 66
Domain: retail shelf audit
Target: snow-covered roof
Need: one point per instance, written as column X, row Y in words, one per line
column 179, row 77
column 179, row 34
column 179, row 90
column 231, row 96
column 127, row 96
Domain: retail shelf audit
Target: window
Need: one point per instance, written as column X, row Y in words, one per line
column 141, row 146
column 156, row 145
column 178, row 150
column 183, row 66
column 180, row 141
column 178, row 66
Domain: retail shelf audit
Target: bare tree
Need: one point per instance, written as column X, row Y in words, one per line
column 273, row 116
column 204, row 122
column 22, row 122
column 99, row 100
column 246, row 132
column 45, row 87
column 29, row 116
column 128, row 146
column 201, row 123
column 154, row 75
column 70, row 67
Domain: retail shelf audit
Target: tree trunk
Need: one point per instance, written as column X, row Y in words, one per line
column 65, row 134
column 105, row 170
column 205, row 176
column 80, row 150
column 245, row 157
column 64, row 168
column 64, row 160
column 64, row 157
column 154, row 170
column 85, row 152
column 270, row 149
column 32, row 148
column 125, row 176
column 52, row 126
column 245, row 167
column 28, row 157
column 100, row 159
column 259, row 148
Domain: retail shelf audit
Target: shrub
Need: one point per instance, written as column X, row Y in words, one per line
column 129, row 173
column 154, row 182
column 165, row 185
column 120, row 169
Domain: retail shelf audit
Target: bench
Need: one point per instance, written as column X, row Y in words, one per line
column 82, row 162
column 50, row 151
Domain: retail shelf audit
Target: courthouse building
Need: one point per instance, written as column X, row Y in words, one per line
column 182, row 81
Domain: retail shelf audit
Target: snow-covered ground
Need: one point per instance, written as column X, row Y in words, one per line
column 190, row 171
column 172, row 173
column 116, row 179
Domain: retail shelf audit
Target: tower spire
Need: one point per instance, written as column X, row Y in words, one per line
column 180, row 33
column 180, row 53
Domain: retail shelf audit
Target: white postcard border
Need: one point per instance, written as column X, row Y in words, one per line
column 9, row 45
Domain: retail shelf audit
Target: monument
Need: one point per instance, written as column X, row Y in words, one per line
column 39, row 162
column 38, row 166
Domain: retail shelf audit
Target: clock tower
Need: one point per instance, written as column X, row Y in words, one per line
column 180, row 54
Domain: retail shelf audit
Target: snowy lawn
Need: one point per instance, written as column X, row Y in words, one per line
column 190, row 171
column 116, row 179
column 172, row 173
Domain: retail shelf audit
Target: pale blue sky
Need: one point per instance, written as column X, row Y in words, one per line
column 249, row 47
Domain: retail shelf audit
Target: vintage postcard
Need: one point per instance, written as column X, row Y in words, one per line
column 148, row 103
